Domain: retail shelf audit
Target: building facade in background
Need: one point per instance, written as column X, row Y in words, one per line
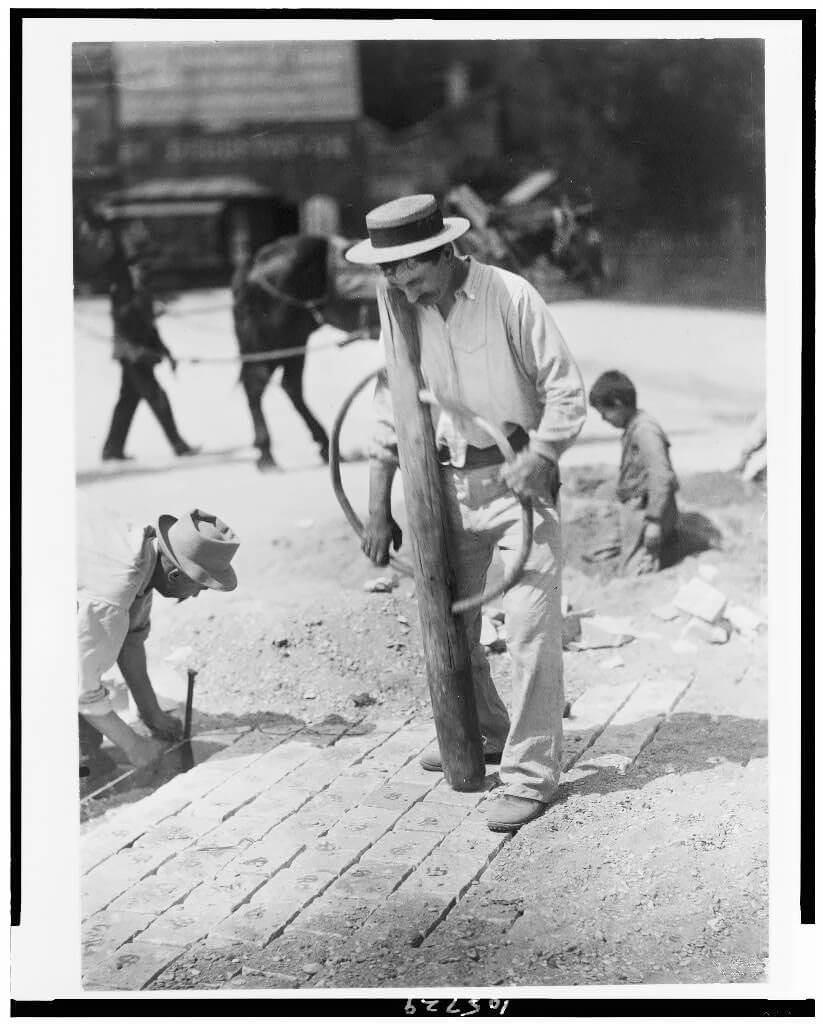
column 284, row 114
column 217, row 148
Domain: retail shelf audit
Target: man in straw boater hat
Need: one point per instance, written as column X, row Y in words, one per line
column 487, row 340
column 119, row 568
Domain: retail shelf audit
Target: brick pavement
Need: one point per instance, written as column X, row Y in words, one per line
column 257, row 867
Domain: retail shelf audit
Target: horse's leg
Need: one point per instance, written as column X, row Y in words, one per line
column 293, row 386
column 255, row 377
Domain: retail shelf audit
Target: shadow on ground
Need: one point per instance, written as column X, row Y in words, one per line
column 112, row 781
column 685, row 742
column 120, row 470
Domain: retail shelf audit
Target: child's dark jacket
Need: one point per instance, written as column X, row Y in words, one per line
column 647, row 480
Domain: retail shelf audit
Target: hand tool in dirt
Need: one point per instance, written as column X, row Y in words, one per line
column 192, row 674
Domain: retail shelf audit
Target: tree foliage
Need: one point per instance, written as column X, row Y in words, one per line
column 665, row 130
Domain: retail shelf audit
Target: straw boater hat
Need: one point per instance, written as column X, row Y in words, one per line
column 201, row 546
column 406, row 227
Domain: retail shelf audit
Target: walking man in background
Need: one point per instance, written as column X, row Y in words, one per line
column 487, row 341
column 119, row 568
column 139, row 348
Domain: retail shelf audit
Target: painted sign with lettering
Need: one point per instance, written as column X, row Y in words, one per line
column 223, row 85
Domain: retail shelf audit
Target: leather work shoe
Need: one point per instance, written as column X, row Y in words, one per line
column 508, row 813
column 433, row 762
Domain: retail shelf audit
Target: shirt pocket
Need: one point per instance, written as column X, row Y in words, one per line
column 467, row 342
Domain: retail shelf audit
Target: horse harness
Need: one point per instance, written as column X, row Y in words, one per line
column 311, row 305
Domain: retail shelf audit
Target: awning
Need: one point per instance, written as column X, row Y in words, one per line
column 188, row 208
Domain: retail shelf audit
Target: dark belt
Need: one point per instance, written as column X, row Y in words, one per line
column 479, row 458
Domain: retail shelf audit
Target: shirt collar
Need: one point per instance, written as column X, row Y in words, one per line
column 151, row 565
column 468, row 288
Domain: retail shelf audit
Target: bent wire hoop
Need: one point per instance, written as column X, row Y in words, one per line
column 334, row 467
column 515, row 571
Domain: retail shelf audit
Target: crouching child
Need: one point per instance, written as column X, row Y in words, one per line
column 643, row 523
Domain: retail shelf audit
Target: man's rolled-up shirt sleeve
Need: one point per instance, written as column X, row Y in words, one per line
column 383, row 442
column 102, row 629
column 549, row 363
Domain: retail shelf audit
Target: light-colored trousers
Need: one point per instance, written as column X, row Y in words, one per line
column 484, row 515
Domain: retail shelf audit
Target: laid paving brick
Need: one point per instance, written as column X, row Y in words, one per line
column 432, row 817
column 296, row 953
column 210, row 903
column 469, row 840
column 277, row 802
column 226, row 799
column 272, row 907
column 202, row 967
column 357, row 780
column 453, row 865
column 354, row 746
column 442, row 793
column 371, row 879
column 395, row 795
column 368, row 822
column 253, row 742
column 353, row 843
column 104, row 932
column 636, row 721
column 318, row 815
column 335, row 914
column 107, row 838
column 484, row 902
column 293, row 885
column 174, row 833
column 402, row 846
column 327, row 857
column 714, row 692
column 385, row 727
column 325, row 809
column 337, row 757
column 243, row 826
column 318, row 738
column 281, row 725
column 201, row 862
column 441, row 876
column 131, row 967
column 114, row 876
column 476, row 820
column 589, row 715
column 156, row 894
column 412, row 772
column 254, row 924
column 195, row 783
column 286, row 756
column 314, row 775
column 274, row 851
column 404, row 919
column 388, row 757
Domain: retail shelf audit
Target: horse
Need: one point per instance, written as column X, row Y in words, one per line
column 280, row 296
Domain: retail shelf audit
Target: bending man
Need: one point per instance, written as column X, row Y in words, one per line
column 119, row 568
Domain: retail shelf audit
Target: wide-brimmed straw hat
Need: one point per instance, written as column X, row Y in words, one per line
column 406, row 227
column 201, row 546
